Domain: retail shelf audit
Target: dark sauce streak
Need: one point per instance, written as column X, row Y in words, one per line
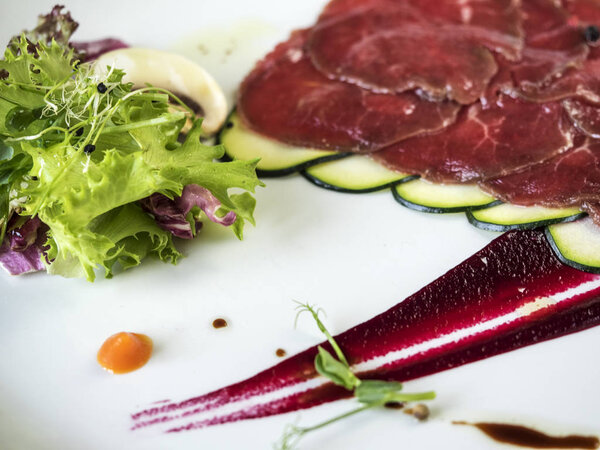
column 397, row 405
column 528, row 437
column 280, row 352
column 219, row 323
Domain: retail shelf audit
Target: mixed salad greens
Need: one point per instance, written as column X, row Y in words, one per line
column 95, row 174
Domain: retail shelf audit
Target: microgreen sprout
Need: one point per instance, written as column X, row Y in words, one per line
column 370, row 393
column 82, row 99
column 306, row 307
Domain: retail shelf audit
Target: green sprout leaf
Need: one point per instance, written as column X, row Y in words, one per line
column 382, row 392
column 336, row 371
column 293, row 433
column 376, row 391
column 305, row 307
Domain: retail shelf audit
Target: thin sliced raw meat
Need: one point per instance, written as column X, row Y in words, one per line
column 484, row 143
column 498, row 23
column 584, row 115
column 583, row 12
column 441, row 48
column 593, row 210
column 582, row 82
column 569, row 179
column 557, row 62
column 287, row 99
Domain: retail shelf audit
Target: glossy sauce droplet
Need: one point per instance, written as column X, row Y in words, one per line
column 219, row 323
column 280, row 352
column 528, row 437
column 395, row 405
column 125, row 352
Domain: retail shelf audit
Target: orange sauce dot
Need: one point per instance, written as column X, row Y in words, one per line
column 124, row 352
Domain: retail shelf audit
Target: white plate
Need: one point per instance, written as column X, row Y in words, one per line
column 354, row 255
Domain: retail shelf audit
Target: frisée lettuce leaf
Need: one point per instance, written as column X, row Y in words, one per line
column 79, row 150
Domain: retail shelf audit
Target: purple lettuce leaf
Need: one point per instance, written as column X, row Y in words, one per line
column 168, row 216
column 194, row 195
column 23, row 247
column 56, row 25
column 21, row 237
column 92, row 50
column 171, row 215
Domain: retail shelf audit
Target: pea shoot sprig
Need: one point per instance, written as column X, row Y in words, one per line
column 370, row 393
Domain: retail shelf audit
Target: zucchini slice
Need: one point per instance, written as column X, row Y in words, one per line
column 576, row 244
column 276, row 158
column 355, row 174
column 441, row 198
column 506, row 217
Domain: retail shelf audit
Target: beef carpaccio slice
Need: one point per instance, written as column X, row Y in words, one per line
column 484, row 142
column 583, row 12
column 441, row 48
column 582, row 82
column 576, row 65
column 585, row 115
column 498, row 23
column 287, row 99
column 570, row 179
column 553, row 45
column 593, row 210
column 580, row 85
column 539, row 77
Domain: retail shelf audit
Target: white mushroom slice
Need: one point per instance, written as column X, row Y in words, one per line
column 174, row 73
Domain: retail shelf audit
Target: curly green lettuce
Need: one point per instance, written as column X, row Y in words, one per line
column 79, row 151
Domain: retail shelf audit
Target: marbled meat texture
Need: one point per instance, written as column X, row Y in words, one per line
column 286, row 98
column 557, row 62
column 492, row 91
column 484, row 142
column 569, row 179
column 442, row 48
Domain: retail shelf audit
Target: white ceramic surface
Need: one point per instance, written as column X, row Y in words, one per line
column 354, row 255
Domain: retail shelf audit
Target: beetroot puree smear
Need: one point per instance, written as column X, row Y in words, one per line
column 513, row 293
